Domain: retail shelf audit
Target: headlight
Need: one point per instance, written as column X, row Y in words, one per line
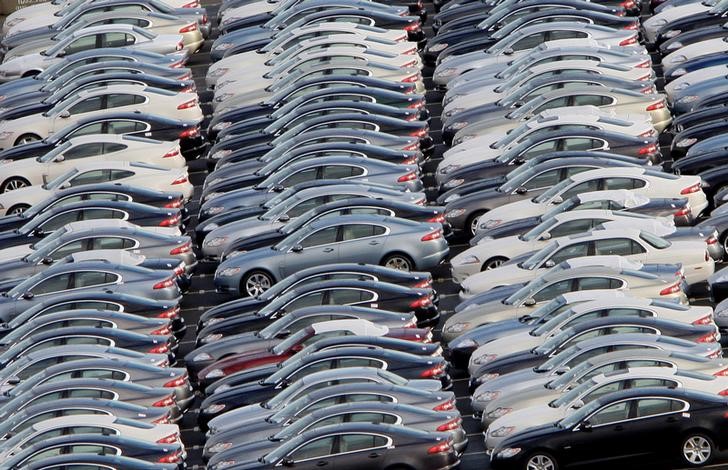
column 678, row 59
column 453, row 111
column 209, row 338
column 223, row 97
column 458, row 125
column 671, row 34
column 508, row 452
column 462, row 139
column 220, row 153
column 682, row 86
column 223, row 46
column 447, row 169
column 487, row 396
column 219, row 447
column 484, row 359
column 457, row 327
column 450, row 99
column 686, row 142
column 454, row 213
column 438, row 47
column 214, row 373
column 219, row 72
column 217, row 241
column 470, row 259
column 212, row 409
column 454, row 183
column 490, row 223
column 221, row 125
column 502, row 431
column 466, row 343
column 210, row 227
column 212, row 195
column 487, row 377
column 498, row 412
column 674, row 45
column 214, row 210
column 447, row 72
column 227, row 272
column 679, row 72
column 688, row 99
column 202, row 357
column 14, row 21
column 452, row 197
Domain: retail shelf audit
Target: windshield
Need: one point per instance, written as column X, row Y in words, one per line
column 570, row 376
column 553, row 323
column 579, row 415
column 572, row 394
column 537, row 259
column 46, row 244
column 296, row 338
column 525, row 292
column 292, row 409
column 558, row 359
column 56, row 183
column 536, row 231
column 50, row 156
column 563, row 207
column 555, row 341
column 554, row 191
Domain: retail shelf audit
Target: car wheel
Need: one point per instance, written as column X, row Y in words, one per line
column 26, row 139
column 399, row 262
column 493, row 263
column 255, row 283
column 11, row 184
column 541, row 461
column 472, row 225
column 724, row 239
column 697, row 450
column 18, row 209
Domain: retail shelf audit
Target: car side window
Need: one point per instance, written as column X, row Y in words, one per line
column 83, row 151
column 596, row 205
column 359, row 442
column 571, row 251
column 307, row 300
column 551, row 291
column 60, row 220
column 90, row 177
column 355, row 231
column 117, row 100
column 574, row 226
column 306, row 205
column 348, row 296
column 93, row 214
column 655, row 406
column 308, row 174
column 617, row 246
column 81, row 44
column 528, row 42
column 92, row 278
column 117, row 39
column 111, row 243
column 311, row 450
column 55, row 283
column 610, row 414
column 125, row 127
column 543, row 180
column 95, row 128
column 564, row 34
column 93, row 103
column 321, row 237
column 341, row 171
column 623, row 183
column 68, row 249
column 580, row 143
column 592, row 283
column 584, row 187
column 376, row 418
column 110, row 147
column 591, row 100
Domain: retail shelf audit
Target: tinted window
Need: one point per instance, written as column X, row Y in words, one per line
column 52, row 284
column 618, row 246
column 610, row 414
column 571, row 251
column 83, row 151
column 88, row 105
column 318, row 448
column 357, row 442
column 322, row 237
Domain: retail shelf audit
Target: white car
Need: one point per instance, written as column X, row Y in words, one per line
column 136, row 173
column 540, row 414
column 650, row 183
column 675, row 59
column 20, row 62
column 47, row 13
column 633, row 244
column 15, row 174
column 490, row 253
column 95, row 102
column 652, row 26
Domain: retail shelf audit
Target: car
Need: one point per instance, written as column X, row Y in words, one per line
column 522, row 299
column 648, row 406
column 104, row 460
column 385, row 412
column 135, row 173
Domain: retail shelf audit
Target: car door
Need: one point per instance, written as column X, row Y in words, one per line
column 314, row 454
column 361, row 451
column 71, row 158
column 573, row 250
column 93, row 280
column 317, row 248
column 605, row 426
column 621, row 247
column 362, row 242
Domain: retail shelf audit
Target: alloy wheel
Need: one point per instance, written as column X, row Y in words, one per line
column 399, row 263
column 256, row 284
column 540, row 462
column 697, row 450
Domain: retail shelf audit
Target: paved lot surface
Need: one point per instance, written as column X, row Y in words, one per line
column 202, row 294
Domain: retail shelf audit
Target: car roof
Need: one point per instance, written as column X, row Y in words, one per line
column 357, row 326
column 626, row 197
column 611, row 261
column 366, row 219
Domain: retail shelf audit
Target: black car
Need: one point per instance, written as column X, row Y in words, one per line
column 633, row 424
column 264, row 382
column 353, row 445
column 709, row 17
column 322, row 89
column 691, row 65
column 701, row 116
column 102, row 444
column 691, row 36
column 22, row 230
column 696, row 164
column 87, row 460
column 345, row 206
column 688, row 137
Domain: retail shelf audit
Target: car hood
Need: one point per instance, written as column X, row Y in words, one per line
column 15, row 269
column 498, row 293
column 514, row 343
column 505, row 274
column 244, row 228
column 491, row 332
column 516, row 209
column 248, row 258
column 249, row 414
column 512, row 227
column 535, row 434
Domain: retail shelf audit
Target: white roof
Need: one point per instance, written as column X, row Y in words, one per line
column 357, row 326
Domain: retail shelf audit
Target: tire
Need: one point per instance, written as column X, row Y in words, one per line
column 398, row 261
column 472, row 224
column 493, row 263
column 255, row 283
column 26, row 139
column 13, row 183
column 697, row 449
column 540, row 461
column 17, row 209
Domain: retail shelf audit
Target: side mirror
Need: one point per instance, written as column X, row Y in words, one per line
column 508, row 51
column 284, row 218
column 297, row 248
column 577, row 404
column 529, row 302
column 557, row 200
column 37, row 232
column 286, row 462
column 546, row 236
column 549, row 263
column 59, row 158
column 521, row 190
column 562, row 370
column 13, row 381
column 64, row 114
column 47, row 260
column 278, row 188
column 28, row 295
column 66, row 185
column 586, row 426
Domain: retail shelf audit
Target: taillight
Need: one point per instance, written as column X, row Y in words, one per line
column 164, row 402
column 434, row 235
column 723, row 393
column 188, row 104
column 683, row 212
column 161, row 349
column 706, row 338
column 203, row 20
column 632, row 27
column 169, row 282
column 706, row 320
column 163, row 420
column 629, row 41
column 440, row 448
column 178, row 65
column 179, row 270
column 440, row 218
column 421, row 202
column 411, row 147
column 628, row 4
column 189, row 28
column 411, row 176
column 180, row 46
column 409, row 161
column 191, row 132
column 711, row 240
column 446, row 405
column 424, row 301
column 170, row 439
column 412, row 27
column 450, row 425
column 644, row 78
column 434, row 371
column 655, row 106
column 673, row 289
column 178, row 382
column 176, row 457
column 649, row 133
column 183, row 248
column 423, row 284
column 647, row 149
column 170, row 313
column 721, row 373
column 171, row 153
column 194, row 4
column 411, row 63
column 411, row 78
column 163, row 331
column 691, row 189
column 707, row 256
column 171, row 221
column 180, row 180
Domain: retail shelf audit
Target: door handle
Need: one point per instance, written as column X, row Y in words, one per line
column 374, row 242
column 328, row 250
column 374, row 455
column 322, row 463
column 618, row 428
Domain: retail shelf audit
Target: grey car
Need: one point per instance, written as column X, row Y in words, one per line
column 389, row 241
